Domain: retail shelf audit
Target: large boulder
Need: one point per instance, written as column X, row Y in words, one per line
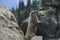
column 9, row 29
column 48, row 26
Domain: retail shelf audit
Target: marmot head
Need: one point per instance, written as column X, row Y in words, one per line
column 33, row 13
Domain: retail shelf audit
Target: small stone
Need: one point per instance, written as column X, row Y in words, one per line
column 37, row 38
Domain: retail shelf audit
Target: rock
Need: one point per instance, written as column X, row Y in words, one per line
column 37, row 38
column 9, row 29
column 48, row 26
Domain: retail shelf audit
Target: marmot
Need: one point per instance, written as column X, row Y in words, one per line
column 32, row 25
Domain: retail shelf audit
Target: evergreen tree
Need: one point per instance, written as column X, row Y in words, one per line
column 28, row 3
column 13, row 10
column 35, row 4
column 21, row 5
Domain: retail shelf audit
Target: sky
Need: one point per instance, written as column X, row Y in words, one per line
column 11, row 3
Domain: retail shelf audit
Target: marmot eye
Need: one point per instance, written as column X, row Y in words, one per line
column 31, row 13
